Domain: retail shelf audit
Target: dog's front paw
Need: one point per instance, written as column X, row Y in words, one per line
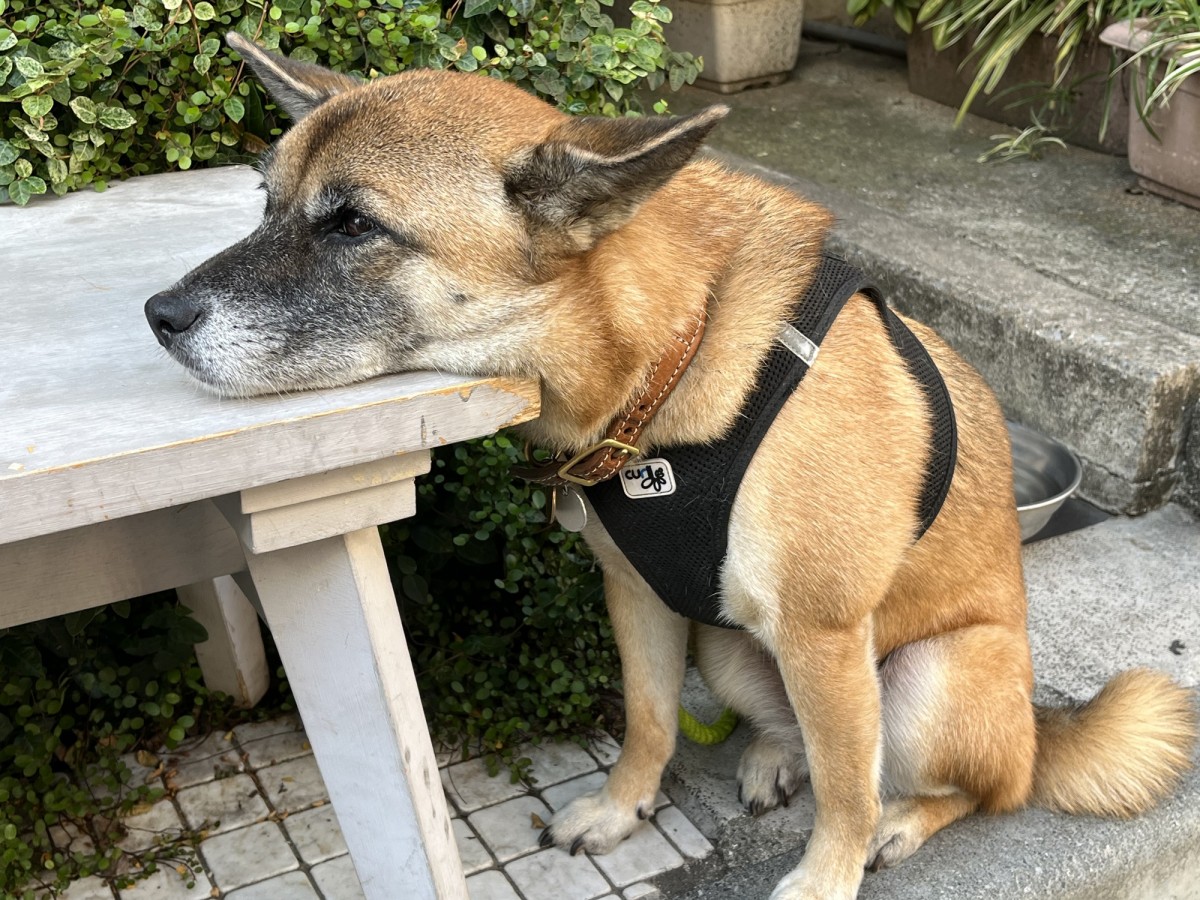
column 594, row 822
column 769, row 774
column 800, row 884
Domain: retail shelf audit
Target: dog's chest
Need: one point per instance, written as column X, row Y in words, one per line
column 669, row 515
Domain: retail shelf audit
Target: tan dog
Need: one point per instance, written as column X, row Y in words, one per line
column 437, row 220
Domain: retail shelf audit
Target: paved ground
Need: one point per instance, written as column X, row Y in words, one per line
column 271, row 834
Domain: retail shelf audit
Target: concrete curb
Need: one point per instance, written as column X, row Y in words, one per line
column 1115, row 386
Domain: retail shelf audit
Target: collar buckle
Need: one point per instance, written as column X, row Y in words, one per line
column 564, row 470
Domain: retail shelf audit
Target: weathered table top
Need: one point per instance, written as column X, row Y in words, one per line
column 96, row 421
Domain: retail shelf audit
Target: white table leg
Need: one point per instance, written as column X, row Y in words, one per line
column 333, row 614
column 232, row 659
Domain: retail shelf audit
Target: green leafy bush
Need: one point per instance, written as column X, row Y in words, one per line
column 504, row 612
column 78, row 695
column 92, row 91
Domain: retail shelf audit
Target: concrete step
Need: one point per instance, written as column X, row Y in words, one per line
column 1119, row 594
column 1078, row 299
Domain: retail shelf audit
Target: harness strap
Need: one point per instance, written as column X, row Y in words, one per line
column 812, row 323
column 939, row 471
column 678, row 541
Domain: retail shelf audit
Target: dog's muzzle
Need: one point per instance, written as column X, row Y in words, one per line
column 170, row 315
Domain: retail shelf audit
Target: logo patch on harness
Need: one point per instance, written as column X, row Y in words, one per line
column 647, row 478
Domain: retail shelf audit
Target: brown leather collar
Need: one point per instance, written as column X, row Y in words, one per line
column 604, row 459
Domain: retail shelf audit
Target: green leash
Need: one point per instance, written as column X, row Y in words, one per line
column 695, row 730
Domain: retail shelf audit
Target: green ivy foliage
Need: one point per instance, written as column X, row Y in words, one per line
column 504, row 612
column 91, row 91
column 80, row 697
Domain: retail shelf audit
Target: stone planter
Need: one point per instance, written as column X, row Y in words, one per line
column 745, row 43
column 941, row 76
column 1170, row 163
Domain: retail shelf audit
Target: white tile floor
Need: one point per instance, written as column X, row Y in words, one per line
column 270, row 833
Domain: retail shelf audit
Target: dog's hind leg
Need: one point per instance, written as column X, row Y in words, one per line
column 652, row 642
column 742, row 674
column 958, row 733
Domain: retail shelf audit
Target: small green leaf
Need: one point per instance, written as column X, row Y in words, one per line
column 29, row 67
column 85, row 109
column 57, row 169
column 204, row 11
column 20, row 192
column 7, row 152
column 8, row 40
column 37, row 105
column 116, row 118
column 234, row 108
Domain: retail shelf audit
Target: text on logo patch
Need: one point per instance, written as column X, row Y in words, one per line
column 647, row 478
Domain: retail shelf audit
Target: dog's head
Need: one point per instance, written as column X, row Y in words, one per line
column 411, row 222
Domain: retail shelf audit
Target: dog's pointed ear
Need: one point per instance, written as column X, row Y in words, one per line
column 591, row 175
column 298, row 87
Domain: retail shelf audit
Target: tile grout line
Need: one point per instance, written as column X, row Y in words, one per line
column 204, row 866
column 529, row 788
column 253, row 772
column 537, row 793
column 170, row 796
column 274, row 815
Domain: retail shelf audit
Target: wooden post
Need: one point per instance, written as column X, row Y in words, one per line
column 232, row 659
column 322, row 583
column 334, row 617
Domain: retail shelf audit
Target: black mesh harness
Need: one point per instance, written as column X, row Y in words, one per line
column 678, row 542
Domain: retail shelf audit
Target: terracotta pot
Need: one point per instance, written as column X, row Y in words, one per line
column 1170, row 163
column 745, row 43
column 941, row 76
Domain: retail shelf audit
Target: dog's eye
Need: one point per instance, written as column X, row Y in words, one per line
column 355, row 224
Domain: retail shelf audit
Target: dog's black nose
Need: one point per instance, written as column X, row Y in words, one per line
column 170, row 315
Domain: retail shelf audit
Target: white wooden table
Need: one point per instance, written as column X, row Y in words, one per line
column 119, row 476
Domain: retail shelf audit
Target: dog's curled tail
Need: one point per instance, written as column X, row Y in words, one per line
column 1118, row 754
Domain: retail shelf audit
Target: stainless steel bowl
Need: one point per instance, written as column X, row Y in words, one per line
column 1045, row 474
